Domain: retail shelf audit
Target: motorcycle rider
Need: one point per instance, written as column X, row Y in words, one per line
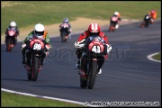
column 65, row 24
column 153, row 14
column 39, row 32
column 115, row 19
column 12, row 26
column 93, row 29
column 146, row 20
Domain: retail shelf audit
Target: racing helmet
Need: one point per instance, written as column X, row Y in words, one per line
column 94, row 28
column 39, row 30
column 13, row 24
column 153, row 11
column 116, row 13
column 66, row 20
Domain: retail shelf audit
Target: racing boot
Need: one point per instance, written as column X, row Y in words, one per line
column 99, row 72
column 116, row 26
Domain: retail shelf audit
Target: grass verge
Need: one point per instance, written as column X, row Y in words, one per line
column 15, row 100
column 157, row 57
column 28, row 13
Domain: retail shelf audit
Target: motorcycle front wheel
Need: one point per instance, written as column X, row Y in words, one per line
column 8, row 44
column 63, row 37
column 35, row 68
column 92, row 75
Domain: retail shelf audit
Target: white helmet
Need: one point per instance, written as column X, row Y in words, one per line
column 13, row 24
column 39, row 30
column 116, row 13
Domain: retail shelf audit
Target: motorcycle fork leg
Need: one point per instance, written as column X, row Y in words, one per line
column 83, row 64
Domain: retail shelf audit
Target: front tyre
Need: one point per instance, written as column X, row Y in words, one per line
column 63, row 39
column 92, row 74
column 35, row 68
column 8, row 49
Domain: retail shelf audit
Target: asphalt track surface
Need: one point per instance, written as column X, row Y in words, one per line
column 126, row 76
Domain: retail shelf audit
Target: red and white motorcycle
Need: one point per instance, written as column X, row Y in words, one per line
column 113, row 24
column 36, row 48
column 11, row 39
column 94, row 50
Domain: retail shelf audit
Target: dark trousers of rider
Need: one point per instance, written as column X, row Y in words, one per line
column 78, row 52
column 113, row 23
column 14, row 40
column 67, row 32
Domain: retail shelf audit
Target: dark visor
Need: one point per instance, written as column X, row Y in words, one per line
column 39, row 33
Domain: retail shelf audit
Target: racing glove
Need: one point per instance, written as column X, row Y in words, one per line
column 80, row 44
column 109, row 48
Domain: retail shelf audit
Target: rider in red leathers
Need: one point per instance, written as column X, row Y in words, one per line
column 153, row 14
column 93, row 29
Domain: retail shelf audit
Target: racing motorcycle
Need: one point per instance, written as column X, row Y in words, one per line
column 146, row 22
column 36, row 48
column 64, row 32
column 113, row 24
column 11, row 39
column 94, row 49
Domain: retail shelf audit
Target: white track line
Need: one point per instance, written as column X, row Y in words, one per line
column 151, row 55
column 45, row 97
